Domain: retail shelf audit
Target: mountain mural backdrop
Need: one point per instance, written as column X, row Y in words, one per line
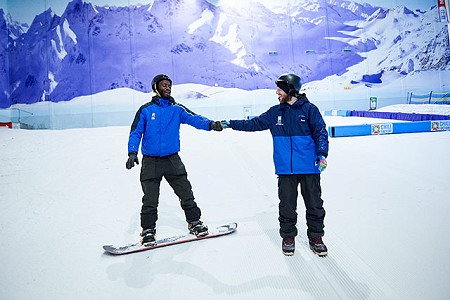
column 89, row 49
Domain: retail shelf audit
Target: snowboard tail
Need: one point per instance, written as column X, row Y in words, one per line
column 174, row 240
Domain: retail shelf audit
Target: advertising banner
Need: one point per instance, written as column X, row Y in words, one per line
column 442, row 11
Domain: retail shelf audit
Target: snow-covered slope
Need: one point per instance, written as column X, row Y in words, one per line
column 66, row 193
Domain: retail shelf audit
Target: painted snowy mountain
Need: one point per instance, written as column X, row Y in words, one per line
column 89, row 48
column 9, row 31
column 4, row 65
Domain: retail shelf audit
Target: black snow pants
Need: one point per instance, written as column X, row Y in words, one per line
column 311, row 193
column 173, row 170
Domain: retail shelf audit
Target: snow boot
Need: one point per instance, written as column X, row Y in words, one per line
column 148, row 237
column 198, row 228
column 288, row 246
column 317, row 246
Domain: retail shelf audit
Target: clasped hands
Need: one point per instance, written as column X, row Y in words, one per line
column 219, row 125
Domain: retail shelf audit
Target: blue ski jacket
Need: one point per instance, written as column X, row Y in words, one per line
column 299, row 135
column 157, row 124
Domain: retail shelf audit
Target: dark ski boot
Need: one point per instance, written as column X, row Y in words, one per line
column 148, row 237
column 317, row 246
column 198, row 228
column 288, row 246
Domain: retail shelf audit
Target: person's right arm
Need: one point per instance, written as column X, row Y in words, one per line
column 259, row 123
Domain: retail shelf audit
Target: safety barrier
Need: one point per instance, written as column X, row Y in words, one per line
column 386, row 115
column 335, row 112
column 388, row 128
column 398, row 116
column 430, row 98
column 14, row 118
column 6, row 124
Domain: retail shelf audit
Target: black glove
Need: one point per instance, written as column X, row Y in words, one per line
column 132, row 158
column 215, row 125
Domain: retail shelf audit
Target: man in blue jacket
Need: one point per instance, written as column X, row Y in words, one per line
column 157, row 126
column 300, row 148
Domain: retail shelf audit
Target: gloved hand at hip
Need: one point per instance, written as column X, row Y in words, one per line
column 215, row 125
column 225, row 124
column 321, row 161
column 132, row 158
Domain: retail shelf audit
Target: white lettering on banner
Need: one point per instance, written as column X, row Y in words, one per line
column 384, row 128
column 440, row 125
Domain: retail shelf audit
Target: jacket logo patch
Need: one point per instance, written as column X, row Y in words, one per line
column 302, row 118
column 153, row 116
column 279, row 122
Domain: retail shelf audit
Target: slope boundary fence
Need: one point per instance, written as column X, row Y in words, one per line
column 430, row 98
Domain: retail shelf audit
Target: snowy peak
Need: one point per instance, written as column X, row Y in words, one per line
column 79, row 12
column 42, row 22
column 331, row 9
column 14, row 28
column 406, row 11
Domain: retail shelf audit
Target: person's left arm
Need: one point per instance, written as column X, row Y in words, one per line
column 319, row 131
column 198, row 121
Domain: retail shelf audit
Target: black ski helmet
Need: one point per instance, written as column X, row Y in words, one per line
column 289, row 83
column 157, row 79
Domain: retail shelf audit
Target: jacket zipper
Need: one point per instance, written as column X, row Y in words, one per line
column 292, row 168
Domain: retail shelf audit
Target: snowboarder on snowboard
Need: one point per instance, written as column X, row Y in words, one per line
column 157, row 126
column 300, row 143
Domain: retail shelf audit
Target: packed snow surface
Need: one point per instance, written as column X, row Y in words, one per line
column 66, row 193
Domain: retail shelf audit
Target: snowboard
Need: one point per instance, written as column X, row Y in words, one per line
column 169, row 241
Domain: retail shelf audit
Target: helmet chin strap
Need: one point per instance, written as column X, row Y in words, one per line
column 161, row 96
